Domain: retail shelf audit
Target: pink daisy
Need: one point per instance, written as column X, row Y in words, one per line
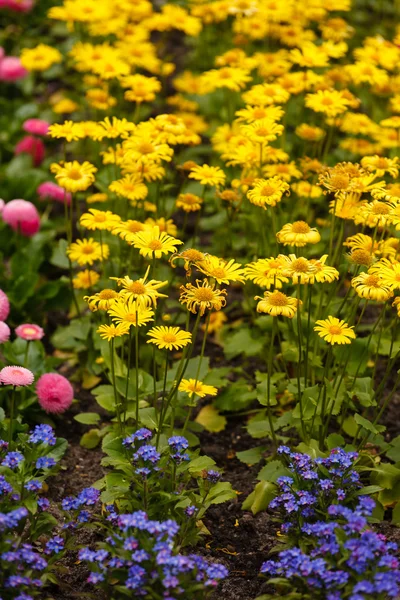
column 4, row 332
column 4, row 306
column 55, row 393
column 16, row 376
column 29, row 332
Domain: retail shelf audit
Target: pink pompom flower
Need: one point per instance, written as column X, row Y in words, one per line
column 11, row 69
column 22, row 216
column 4, row 306
column 29, row 332
column 17, row 376
column 51, row 190
column 33, row 146
column 55, row 393
column 17, row 5
column 36, row 126
column 4, row 332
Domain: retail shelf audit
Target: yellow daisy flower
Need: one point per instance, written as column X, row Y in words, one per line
column 300, row 270
column 102, row 300
column 334, row 331
column 86, row 251
column 276, row 303
column 144, row 292
column 129, row 312
column 85, row 279
column 99, row 220
column 202, row 297
column 371, row 286
column 154, row 243
column 130, row 186
column 194, row 387
column 268, row 192
column 189, row 202
column 127, row 229
column 222, row 271
column 207, row 175
column 389, row 271
column 109, row 332
column 169, row 338
column 266, row 272
column 73, row 176
column 298, row 234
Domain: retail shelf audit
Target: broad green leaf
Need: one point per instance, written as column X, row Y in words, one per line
column 251, row 456
column 260, row 498
column 91, row 439
column 87, row 418
column 211, row 419
column 201, row 463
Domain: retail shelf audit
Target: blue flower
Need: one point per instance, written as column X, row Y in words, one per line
column 43, row 434
column 34, row 485
column 45, row 462
column 55, row 544
column 178, row 443
column 12, row 460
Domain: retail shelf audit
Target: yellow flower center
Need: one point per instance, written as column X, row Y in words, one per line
column 155, row 245
column 87, row 249
column 380, row 208
column 335, row 330
column 137, row 288
column 29, row 330
column 300, row 227
column 259, row 113
column 204, row 294
column 100, row 218
column 361, row 257
column 381, row 163
column 267, row 190
column 372, row 281
column 262, row 131
column 135, row 227
column 195, row 387
column 107, row 294
column 170, row 338
column 278, row 299
column 300, row 265
column 146, row 148
column 219, row 273
column 327, row 101
column 340, row 182
column 74, row 174
column 130, row 317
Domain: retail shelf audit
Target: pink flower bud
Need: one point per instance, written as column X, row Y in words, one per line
column 55, row 393
column 51, row 190
column 36, row 126
column 4, row 332
column 4, row 306
column 33, row 146
column 22, row 216
column 11, row 69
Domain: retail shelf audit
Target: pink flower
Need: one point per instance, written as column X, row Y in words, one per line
column 29, row 332
column 4, row 332
column 17, row 5
column 11, row 69
column 55, row 393
column 36, row 126
column 4, row 306
column 48, row 189
column 16, row 376
column 33, row 146
column 22, row 216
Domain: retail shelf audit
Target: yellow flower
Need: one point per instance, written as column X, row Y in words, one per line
column 374, row 214
column 276, row 303
column 207, row 175
column 329, row 102
column 169, row 338
column 202, row 297
column 144, row 292
column 163, row 224
column 73, row 176
column 189, row 202
column 222, row 271
column 65, row 106
column 396, row 303
column 268, row 192
column 141, row 88
column 334, row 331
column 154, row 243
column 40, row 58
column 144, row 151
column 97, row 198
column 100, row 220
column 191, row 256
column 198, row 388
column 85, row 279
column 300, row 270
column 68, row 130
column 310, row 132
column 263, row 131
column 102, row 300
column 298, row 234
column 109, row 332
column 389, row 271
column 86, row 251
column 131, row 187
column 100, row 99
column 266, row 272
column 114, row 128
column 371, row 286
column 216, row 322
column 127, row 229
column 381, row 165
column 129, row 312
column 323, row 273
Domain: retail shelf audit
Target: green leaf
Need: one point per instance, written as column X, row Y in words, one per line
column 360, row 420
column 396, row 514
column 87, row 418
column 260, row 498
column 363, row 390
column 104, row 395
column 59, row 257
column 148, row 417
column 91, row 439
column 251, row 456
column 335, row 440
column 368, row 490
column 211, row 419
column 272, row 471
column 2, row 415
column 201, row 463
column 241, row 341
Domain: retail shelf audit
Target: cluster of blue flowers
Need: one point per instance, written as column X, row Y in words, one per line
column 338, row 556
column 141, row 555
column 314, row 484
column 77, row 505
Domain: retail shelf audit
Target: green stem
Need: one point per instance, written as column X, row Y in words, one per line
column 269, row 373
column 12, row 411
column 116, row 401
column 137, row 369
